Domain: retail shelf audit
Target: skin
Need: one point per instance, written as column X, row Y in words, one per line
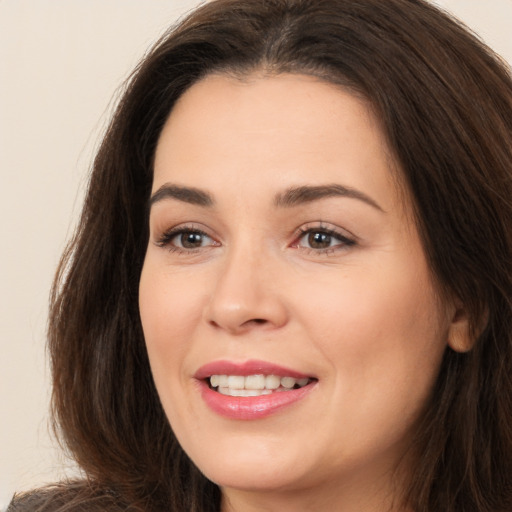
column 360, row 313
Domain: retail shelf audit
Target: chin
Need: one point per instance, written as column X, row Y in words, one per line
column 253, row 465
column 247, row 477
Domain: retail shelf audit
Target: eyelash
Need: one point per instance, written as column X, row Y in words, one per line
column 344, row 241
column 167, row 237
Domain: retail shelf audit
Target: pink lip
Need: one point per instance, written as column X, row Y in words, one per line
column 249, row 408
column 251, row 367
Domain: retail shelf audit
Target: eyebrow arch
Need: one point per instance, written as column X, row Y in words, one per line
column 186, row 194
column 306, row 194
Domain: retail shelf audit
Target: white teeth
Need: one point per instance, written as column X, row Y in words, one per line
column 254, row 385
column 288, row 382
column 255, row 382
column 272, row 382
column 236, row 382
column 244, row 392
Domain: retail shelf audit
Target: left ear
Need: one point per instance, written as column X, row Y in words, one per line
column 459, row 335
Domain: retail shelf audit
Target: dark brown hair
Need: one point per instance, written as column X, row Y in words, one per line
column 445, row 103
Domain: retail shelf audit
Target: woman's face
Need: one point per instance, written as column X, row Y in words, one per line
column 282, row 254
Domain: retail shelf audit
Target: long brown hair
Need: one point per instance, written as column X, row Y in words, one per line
column 445, row 103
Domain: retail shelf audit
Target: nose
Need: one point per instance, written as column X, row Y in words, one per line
column 246, row 294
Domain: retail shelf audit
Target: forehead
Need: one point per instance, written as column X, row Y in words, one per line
column 275, row 131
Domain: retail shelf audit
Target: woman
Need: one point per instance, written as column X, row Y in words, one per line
column 291, row 286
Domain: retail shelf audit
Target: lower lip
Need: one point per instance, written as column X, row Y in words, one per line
column 251, row 407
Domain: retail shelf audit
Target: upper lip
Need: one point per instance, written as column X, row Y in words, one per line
column 251, row 367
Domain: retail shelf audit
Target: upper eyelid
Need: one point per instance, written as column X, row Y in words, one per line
column 164, row 236
column 182, row 226
column 343, row 239
column 325, row 226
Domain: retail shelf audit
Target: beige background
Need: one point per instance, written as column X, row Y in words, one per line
column 61, row 62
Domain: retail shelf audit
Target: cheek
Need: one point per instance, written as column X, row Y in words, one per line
column 372, row 306
column 170, row 309
column 383, row 339
column 381, row 329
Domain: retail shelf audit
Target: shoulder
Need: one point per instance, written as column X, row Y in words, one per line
column 68, row 497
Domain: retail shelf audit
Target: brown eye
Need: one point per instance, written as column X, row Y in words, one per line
column 186, row 240
column 319, row 240
column 191, row 239
column 323, row 240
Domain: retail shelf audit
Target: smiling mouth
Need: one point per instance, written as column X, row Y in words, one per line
column 255, row 385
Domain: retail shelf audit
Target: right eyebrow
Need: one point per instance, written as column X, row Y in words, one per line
column 307, row 194
column 186, row 194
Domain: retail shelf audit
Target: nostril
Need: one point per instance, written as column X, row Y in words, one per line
column 245, row 325
column 255, row 321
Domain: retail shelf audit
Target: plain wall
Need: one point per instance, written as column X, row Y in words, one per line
column 61, row 63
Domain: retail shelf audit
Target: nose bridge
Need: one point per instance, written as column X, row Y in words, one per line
column 244, row 295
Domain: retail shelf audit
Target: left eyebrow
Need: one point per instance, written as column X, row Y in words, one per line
column 189, row 195
column 306, row 194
